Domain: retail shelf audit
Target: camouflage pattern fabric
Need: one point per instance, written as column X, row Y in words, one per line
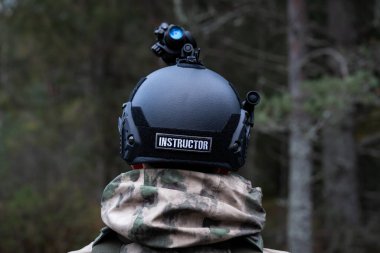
column 136, row 248
column 169, row 208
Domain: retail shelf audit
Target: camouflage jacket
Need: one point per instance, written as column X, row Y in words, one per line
column 170, row 210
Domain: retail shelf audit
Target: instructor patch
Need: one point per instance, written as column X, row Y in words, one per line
column 183, row 142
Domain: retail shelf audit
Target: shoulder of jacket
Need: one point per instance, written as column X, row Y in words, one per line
column 108, row 241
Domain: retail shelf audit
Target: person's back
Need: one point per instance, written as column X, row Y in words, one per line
column 184, row 131
column 171, row 210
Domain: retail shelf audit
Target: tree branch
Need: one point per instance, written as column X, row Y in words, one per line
column 370, row 140
column 254, row 51
column 333, row 53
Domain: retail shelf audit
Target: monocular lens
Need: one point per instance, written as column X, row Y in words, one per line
column 176, row 33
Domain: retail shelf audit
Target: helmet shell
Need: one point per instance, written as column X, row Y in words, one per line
column 184, row 115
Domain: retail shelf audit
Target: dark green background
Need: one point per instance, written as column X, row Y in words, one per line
column 66, row 67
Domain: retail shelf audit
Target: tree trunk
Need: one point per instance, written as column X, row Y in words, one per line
column 300, row 203
column 342, row 211
column 341, row 21
column 342, row 215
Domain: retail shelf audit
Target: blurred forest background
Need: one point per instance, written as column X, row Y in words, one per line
column 67, row 66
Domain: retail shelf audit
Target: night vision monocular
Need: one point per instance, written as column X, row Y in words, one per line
column 175, row 43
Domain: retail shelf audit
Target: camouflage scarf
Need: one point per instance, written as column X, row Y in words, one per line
column 169, row 208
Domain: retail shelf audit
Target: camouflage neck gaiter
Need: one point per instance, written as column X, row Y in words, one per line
column 169, row 208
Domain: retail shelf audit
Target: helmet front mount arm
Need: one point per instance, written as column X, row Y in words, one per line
column 174, row 43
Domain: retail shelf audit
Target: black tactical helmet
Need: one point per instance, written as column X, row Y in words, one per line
column 186, row 115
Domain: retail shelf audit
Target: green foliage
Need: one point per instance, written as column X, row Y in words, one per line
column 273, row 111
column 65, row 69
column 30, row 218
column 336, row 94
column 67, row 66
column 323, row 94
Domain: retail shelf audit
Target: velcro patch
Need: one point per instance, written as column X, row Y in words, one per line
column 183, row 142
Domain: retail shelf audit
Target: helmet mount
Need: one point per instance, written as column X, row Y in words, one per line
column 174, row 44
